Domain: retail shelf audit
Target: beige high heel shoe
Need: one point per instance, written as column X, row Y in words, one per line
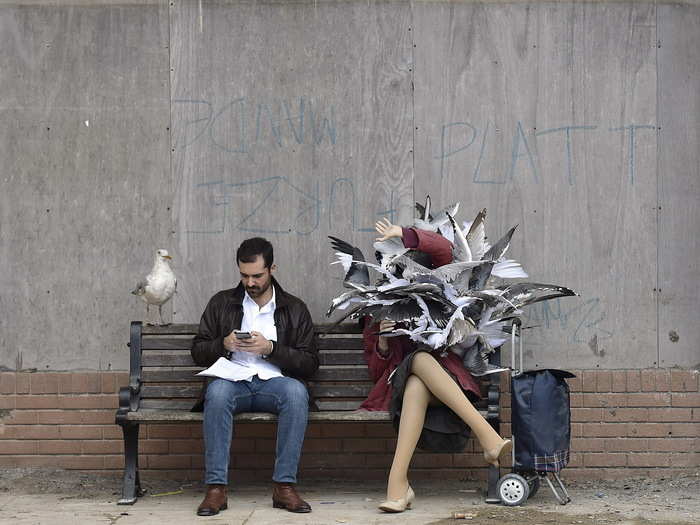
column 492, row 456
column 399, row 505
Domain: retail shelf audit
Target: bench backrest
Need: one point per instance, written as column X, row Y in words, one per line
column 168, row 372
column 168, row 379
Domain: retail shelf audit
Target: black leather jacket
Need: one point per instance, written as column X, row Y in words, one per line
column 295, row 349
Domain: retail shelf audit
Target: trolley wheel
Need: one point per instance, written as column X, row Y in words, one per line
column 534, row 485
column 513, row 489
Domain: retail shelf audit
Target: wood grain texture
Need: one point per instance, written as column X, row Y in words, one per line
column 679, row 185
column 85, row 195
column 131, row 126
column 290, row 121
column 545, row 115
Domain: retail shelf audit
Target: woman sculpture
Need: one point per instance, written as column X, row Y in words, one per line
column 428, row 394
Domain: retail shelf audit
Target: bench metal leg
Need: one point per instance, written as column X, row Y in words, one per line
column 131, row 487
column 492, row 492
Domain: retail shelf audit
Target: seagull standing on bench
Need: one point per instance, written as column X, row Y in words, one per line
column 158, row 286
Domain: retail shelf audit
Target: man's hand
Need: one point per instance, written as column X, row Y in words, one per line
column 257, row 344
column 387, row 230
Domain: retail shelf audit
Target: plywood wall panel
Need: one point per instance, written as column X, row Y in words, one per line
column 290, row 121
column 84, row 191
column 528, row 112
column 679, row 185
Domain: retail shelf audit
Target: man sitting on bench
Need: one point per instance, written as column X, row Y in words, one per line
column 262, row 340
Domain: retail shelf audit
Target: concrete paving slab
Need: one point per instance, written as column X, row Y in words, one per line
column 61, row 498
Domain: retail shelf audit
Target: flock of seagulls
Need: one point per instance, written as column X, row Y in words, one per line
column 465, row 307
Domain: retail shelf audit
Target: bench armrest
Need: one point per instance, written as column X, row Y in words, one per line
column 130, row 396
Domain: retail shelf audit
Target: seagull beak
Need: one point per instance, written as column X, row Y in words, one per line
column 167, row 257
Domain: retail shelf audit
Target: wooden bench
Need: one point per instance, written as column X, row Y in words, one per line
column 163, row 388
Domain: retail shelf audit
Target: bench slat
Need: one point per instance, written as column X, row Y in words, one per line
column 184, row 405
column 179, row 358
column 185, row 343
column 339, row 343
column 345, row 328
column 162, row 343
column 188, row 375
column 347, row 405
column 326, row 390
column 329, row 412
column 146, row 415
column 171, row 376
column 348, row 328
column 342, row 358
column 180, row 405
column 189, row 390
column 359, row 373
column 171, row 329
column 154, row 358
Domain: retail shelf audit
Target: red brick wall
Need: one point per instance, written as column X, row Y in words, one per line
column 624, row 423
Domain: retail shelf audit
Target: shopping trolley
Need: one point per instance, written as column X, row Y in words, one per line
column 541, row 428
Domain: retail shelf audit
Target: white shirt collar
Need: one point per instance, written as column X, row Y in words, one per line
column 270, row 305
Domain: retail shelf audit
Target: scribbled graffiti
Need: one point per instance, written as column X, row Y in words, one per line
column 582, row 320
column 458, row 138
column 277, row 206
column 243, row 125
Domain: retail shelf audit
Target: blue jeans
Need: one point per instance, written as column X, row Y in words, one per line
column 284, row 396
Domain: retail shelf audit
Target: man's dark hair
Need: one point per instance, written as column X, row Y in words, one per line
column 249, row 250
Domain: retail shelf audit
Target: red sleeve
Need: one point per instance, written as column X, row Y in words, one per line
column 434, row 244
column 376, row 363
column 409, row 238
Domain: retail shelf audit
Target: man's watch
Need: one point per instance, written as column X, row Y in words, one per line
column 267, row 356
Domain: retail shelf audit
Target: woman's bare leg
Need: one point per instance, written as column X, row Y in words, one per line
column 446, row 390
column 416, row 398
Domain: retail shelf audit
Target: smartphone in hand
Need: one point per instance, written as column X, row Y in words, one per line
column 241, row 335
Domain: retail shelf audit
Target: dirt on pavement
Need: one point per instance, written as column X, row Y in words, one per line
column 636, row 501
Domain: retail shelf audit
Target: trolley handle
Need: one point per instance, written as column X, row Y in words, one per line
column 516, row 328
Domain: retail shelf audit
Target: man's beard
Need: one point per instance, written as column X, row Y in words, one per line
column 257, row 291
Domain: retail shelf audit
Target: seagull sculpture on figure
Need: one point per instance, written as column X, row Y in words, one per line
column 158, row 286
column 464, row 307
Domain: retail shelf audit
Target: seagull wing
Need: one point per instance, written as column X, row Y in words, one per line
column 523, row 294
column 420, row 209
column 461, row 251
column 509, row 269
column 476, row 235
column 461, row 329
column 411, row 268
column 402, row 311
column 355, row 274
column 497, row 251
column 442, row 217
column 449, row 272
column 341, row 302
column 389, row 249
column 140, row 288
column 479, row 276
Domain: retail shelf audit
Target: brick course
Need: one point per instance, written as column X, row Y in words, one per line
column 624, row 423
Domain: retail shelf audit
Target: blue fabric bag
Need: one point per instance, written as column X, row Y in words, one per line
column 541, row 420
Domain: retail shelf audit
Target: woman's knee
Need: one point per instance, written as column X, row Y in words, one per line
column 415, row 388
column 423, row 359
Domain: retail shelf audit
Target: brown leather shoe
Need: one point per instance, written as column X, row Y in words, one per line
column 214, row 501
column 284, row 496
